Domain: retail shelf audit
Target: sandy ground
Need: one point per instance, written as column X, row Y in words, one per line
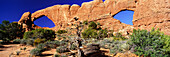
column 8, row 49
column 11, row 49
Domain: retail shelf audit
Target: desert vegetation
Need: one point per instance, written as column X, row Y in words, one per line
column 86, row 39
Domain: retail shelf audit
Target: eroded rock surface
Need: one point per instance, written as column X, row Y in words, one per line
column 147, row 14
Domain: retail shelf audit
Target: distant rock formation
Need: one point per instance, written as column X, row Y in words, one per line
column 147, row 14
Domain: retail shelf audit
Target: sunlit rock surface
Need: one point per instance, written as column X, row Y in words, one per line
column 147, row 14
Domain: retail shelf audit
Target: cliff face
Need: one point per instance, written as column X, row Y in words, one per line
column 147, row 14
column 152, row 13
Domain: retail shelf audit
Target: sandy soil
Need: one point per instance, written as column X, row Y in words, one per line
column 10, row 51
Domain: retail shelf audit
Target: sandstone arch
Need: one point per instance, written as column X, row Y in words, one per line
column 147, row 13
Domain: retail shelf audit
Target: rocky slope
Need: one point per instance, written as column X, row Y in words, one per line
column 147, row 14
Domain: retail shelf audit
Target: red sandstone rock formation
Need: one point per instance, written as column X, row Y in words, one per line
column 147, row 14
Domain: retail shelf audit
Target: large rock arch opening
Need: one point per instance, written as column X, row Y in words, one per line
column 44, row 21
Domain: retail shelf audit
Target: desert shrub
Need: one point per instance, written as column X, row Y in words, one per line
column 56, row 55
column 167, row 44
column 85, row 22
column 28, row 35
column 23, row 41
column 21, row 49
column 59, row 38
column 64, row 55
column 56, row 42
column 102, row 33
column 38, row 41
column 148, row 43
column 63, row 42
column 36, row 51
column 40, row 33
column 10, row 31
column 16, row 41
column 61, row 31
column 118, row 37
column 112, row 51
column 105, row 43
column 98, row 23
column 110, row 33
column 114, row 46
column 62, row 49
column 93, row 25
column 73, row 47
column 24, row 48
column 30, row 41
column 52, row 44
column 90, row 33
column 125, row 47
column 41, row 46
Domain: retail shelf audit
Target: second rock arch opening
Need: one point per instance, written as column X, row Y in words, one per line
column 125, row 16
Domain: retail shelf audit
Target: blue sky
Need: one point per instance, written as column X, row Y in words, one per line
column 12, row 10
column 125, row 16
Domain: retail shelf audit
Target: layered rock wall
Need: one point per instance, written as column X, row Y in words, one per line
column 147, row 14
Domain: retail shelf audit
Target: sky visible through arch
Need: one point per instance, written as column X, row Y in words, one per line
column 12, row 10
column 125, row 16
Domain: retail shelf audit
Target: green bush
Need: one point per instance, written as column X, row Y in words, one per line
column 61, row 31
column 90, row 33
column 17, row 41
column 118, row 37
column 114, row 46
column 24, row 48
column 73, row 47
column 93, row 33
column 38, row 41
column 56, row 55
column 93, row 25
column 41, row 46
column 63, row 42
column 98, row 23
column 85, row 22
column 36, row 51
column 52, row 44
column 167, row 44
column 23, row 41
column 10, row 31
column 40, row 33
column 102, row 33
column 29, row 41
column 148, row 43
column 62, row 49
column 28, row 35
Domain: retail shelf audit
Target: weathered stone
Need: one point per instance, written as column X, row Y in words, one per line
column 26, row 16
column 147, row 14
column 92, row 49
